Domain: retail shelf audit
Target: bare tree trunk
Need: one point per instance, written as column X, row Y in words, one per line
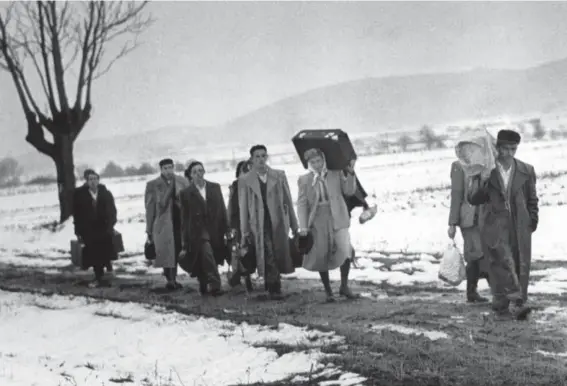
column 65, row 166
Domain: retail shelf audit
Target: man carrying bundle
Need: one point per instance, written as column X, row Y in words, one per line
column 508, row 218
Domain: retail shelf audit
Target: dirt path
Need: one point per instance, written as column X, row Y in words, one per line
column 468, row 348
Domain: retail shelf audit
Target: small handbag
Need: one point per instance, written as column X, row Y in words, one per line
column 150, row 251
column 117, row 242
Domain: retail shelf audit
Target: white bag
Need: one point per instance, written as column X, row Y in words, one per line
column 452, row 268
column 476, row 151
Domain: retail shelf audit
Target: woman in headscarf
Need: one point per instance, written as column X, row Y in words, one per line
column 323, row 215
column 233, row 210
column 94, row 217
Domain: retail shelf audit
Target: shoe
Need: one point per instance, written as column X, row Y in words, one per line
column 170, row 286
column 368, row 214
column 95, row 284
column 520, row 311
column 330, row 297
column 217, row 292
column 503, row 316
column 203, row 290
column 476, row 298
column 276, row 295
column 346, row 292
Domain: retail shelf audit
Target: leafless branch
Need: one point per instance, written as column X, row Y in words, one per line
column 53, row 37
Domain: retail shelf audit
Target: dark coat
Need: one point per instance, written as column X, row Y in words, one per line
column 202, row 220
column 507, row 220
column 95, row 224
column 233, row 208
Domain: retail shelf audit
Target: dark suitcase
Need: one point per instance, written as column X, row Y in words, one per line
column 334, row 143
column 118, row 243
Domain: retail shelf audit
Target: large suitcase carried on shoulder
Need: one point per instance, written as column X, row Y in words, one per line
column 334, row 143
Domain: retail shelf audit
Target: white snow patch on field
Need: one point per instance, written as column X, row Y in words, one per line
column 51, row 340
column 432, row 335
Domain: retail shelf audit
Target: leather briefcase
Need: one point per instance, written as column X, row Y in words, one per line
column 77, row 249
column 334, row 143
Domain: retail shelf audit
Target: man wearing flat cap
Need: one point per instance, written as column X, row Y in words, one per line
column 163, row 219
column 509, row 216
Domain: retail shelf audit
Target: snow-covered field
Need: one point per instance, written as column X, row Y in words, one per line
column 400, row 247
column 411, row 191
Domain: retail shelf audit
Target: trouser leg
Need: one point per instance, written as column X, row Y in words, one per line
column 98, row 271
column 209, row 267
column 272, row 273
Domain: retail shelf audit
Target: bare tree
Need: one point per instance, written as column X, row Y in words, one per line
column 404, row 141
column 53, row 42
column 10, row 172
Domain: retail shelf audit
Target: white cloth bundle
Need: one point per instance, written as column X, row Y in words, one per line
column 476, row 151
column 452, row 268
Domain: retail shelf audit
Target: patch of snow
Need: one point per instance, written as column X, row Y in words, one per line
column 50, row 340
column 432, row 335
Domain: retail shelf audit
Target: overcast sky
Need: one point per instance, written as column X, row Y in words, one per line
column 205, row 63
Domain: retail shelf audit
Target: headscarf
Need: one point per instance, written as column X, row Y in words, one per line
column 319, row 176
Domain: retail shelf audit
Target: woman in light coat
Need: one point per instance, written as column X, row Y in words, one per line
column 322, row 211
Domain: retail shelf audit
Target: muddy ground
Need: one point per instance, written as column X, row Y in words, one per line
column 477, row 351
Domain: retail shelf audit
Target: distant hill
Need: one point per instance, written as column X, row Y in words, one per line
column 365, row 105
column 404, row 102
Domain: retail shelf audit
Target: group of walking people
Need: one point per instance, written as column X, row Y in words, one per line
column 188, row 224
column 497, row 212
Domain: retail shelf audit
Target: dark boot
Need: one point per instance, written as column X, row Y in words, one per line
column 327, row 284
column 275, row 291
column 203, row 286
column 345, row 290
column 473, row 273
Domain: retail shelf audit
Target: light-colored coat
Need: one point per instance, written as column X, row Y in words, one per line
column 461, row 212
column 338, row 186
column 159, row 219
column 282, row 215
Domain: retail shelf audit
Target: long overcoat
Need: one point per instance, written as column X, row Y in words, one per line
column 95, row 222
column 507, row 220
column 465, row 215
column 200, row 217
column 282, row 215
column 159, row 202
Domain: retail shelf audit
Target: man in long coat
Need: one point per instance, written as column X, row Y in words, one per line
column 267, row 215
column 508, row 218
column 94, row 217
column 465, row 216
column 163, row 219
column 204, row 224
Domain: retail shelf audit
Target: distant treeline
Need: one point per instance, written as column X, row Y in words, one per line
column 11, row 172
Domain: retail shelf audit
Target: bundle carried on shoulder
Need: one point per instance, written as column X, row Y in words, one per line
column 476, row 152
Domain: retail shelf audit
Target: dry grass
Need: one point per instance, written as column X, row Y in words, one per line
column 479, row 351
